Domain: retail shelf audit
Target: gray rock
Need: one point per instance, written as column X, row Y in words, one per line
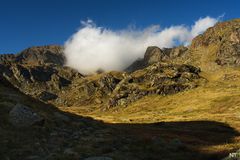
column 153, row 54
column 23, row 116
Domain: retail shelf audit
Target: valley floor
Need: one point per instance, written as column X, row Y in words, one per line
column 206, row 119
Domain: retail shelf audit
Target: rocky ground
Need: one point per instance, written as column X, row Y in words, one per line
column 35, row 131
column 175, row 103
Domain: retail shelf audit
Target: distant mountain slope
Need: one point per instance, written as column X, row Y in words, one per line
column 42, row 76
column 36, row 56
column 225, row 36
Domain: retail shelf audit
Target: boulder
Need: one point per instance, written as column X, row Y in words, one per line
column 153, row 54
column 23, row 116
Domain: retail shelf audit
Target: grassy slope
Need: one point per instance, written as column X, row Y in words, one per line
column 203, row 118
column 217, row 100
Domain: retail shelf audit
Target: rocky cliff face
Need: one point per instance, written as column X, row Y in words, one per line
column 226, row 37
column 38, row 71
column 36, row 56
column 159, row 78
column 154, row 54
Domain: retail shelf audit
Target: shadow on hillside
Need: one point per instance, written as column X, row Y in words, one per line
column 89, row 137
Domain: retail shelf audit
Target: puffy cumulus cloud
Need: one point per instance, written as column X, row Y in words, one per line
column 94, row 48
column 201, row 25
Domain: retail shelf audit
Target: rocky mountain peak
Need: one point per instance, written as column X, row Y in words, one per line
column 225, row 36
column 51, row 54
column 219, row 33
column 154, row 54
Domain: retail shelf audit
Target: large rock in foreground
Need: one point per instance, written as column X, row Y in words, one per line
column 23, row 116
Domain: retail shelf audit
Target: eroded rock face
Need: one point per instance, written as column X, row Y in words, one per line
column 175, row 52
column 51, row 54
column 41, row 55
column 229, row 51
column 38, row 71
column 225, row 36
column 154, row 54
column 36, row 79
column 121, row 89
column 23, row 116
column 159, row 78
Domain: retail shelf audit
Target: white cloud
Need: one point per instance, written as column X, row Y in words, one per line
column 201, row 25
column 93, row 48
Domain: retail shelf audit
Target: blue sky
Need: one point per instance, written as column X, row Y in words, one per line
column 29, row 23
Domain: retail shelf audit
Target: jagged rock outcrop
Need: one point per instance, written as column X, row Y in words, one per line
column 159, row 78
column 33, row 80
column 38, row 71
column 154, row 54
column 225, row 36
column 36, row 56
column 175, row 52
column 121, row 89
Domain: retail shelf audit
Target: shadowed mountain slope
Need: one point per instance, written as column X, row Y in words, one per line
column 68, row 136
